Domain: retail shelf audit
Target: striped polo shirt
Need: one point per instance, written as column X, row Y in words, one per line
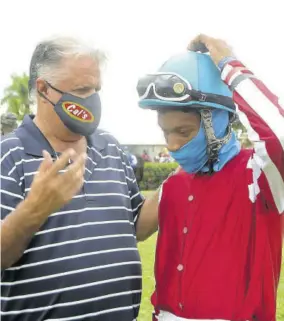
column 83, row 263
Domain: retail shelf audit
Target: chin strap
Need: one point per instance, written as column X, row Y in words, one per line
column 214, row 144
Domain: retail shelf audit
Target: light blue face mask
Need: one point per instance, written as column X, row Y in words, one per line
column 192, row 157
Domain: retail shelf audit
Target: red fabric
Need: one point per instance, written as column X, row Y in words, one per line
column 220, row 237
column 231, row 253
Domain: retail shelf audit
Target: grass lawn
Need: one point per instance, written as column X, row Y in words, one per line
column 147, row 251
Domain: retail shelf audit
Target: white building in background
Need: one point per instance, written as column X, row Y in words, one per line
column 152, row 149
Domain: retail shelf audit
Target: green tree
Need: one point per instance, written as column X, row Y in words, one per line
column 16, row 96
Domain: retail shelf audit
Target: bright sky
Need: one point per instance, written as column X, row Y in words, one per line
column 138, row 35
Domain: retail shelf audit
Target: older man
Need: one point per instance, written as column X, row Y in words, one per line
column 70, row 206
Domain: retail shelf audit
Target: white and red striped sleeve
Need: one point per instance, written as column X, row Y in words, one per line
column 261, row 113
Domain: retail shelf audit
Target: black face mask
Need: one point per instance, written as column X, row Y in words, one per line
column 80, row 115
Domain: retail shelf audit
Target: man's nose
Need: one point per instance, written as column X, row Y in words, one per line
column 172, row 143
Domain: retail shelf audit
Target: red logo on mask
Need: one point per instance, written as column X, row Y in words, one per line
column 78, row 112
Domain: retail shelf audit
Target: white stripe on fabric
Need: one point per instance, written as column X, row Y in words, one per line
column 87, row 170
column 101, row 195
column 106, row 134
column 9, row 152
column 69, row 288
column 227, row 69
column 7, row 207
column 105, row 182
column 106, row 156
column 108, row 169
column 11, row 194
column 85, row 239
column 96, row 313
column 66, row 304
column 135, row 218
column 67, row 227
column 129, row 167
column 75, row 256
column 24, row 161
column 234, row 76
column 34, row 173
column 135, row 195
column 94, row 163
column 254, row 189
column 8, row 178
column 81, row 210
column 136, row 208
column 130, row 179
column 270, row 170
column 119, row 149
column 7, row 139
column 52, row 276
column 263, row 107
column 87, row 182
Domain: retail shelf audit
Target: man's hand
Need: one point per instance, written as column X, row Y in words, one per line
column 217, row 48
column 56, row 183
column 53, row 186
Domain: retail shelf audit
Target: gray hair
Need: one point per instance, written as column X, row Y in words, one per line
column 48, row 55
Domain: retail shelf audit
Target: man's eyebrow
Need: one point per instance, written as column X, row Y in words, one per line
column 83, row 89
column 178, row 128
column 187, row 126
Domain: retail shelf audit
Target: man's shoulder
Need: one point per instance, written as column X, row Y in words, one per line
column 106, row 136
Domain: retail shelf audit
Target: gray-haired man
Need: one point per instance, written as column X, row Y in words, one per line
column 71, row 208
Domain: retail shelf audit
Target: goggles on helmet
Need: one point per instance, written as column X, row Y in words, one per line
column 175, row 88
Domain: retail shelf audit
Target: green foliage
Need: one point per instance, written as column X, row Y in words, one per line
column 155, row 174
column 16, row 96
column 238, row 126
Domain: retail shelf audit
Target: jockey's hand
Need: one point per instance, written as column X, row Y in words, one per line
column 217, row 48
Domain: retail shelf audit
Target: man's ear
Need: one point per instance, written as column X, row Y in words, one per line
column 42, row 86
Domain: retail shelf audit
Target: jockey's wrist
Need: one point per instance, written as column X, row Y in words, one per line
column 223, row 62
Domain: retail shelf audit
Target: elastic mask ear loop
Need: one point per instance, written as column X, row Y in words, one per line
column 213, row 143
column 58, row 90
column 43, row 96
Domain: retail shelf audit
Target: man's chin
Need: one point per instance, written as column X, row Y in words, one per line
column 70, row 136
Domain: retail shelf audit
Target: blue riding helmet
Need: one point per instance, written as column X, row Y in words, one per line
column 191, row 80
column 185, row 80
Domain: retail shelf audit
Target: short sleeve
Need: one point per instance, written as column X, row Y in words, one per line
column 136, row 198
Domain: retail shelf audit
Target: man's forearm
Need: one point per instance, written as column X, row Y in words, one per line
column 148, row 219
column 17, row 230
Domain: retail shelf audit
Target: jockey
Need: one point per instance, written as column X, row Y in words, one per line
column 219, row 243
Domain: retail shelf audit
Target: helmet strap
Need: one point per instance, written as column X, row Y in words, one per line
column 214, row 144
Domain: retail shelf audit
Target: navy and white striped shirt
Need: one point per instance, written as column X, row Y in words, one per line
column 83, row 264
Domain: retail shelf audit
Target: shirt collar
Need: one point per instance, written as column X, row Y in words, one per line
column 34, row 142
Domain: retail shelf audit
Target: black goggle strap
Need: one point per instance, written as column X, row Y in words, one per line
column 212, row 98
column 213, row 143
